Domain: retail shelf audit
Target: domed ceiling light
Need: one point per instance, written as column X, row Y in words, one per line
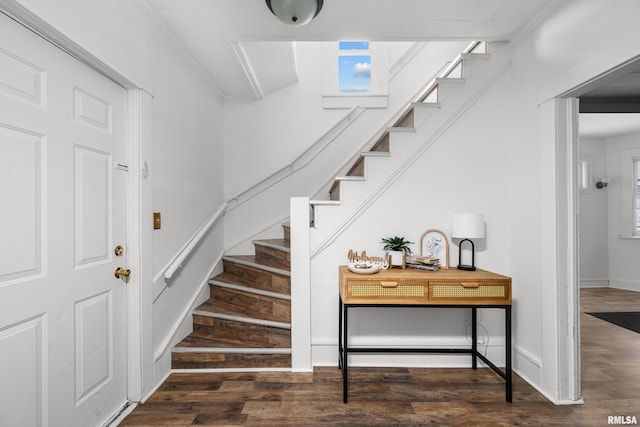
column 295, row 12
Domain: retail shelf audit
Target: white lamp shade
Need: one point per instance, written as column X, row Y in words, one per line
column 467, row 226
column 294, row 12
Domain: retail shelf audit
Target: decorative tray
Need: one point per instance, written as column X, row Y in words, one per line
column 363, row 268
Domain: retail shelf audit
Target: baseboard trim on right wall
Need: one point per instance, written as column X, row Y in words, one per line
column 625, row 284
column 594, row 283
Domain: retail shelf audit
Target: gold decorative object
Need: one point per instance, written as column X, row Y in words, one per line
column 364, row 264
column 354, row 257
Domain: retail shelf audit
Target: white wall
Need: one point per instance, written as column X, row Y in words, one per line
column 187, row 168
column 593, row 219
column 624, row 251
column 465, row 171
column 580, row 40
column 265, row 137
column 188, row 180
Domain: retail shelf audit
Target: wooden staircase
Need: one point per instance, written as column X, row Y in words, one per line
column 412, row 118
column 246, row 322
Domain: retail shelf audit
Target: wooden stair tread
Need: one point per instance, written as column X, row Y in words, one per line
column 231, row 279
column 194, row 341
column 240, row 334
column 226, row 278
column 239, row 303
column 255, row 262
column 279, row 243
column 229, row 360
column 253, row 278
column 245, row 324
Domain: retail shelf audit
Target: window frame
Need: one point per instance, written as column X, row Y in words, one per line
column 377, row 97
column 363, row 53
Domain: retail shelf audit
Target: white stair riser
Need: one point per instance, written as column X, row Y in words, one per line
column 430, row 123
column 422, row 114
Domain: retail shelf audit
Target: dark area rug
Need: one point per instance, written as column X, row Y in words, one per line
column 626, row 319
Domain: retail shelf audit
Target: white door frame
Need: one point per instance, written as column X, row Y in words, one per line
column 567, row 258
column 568, row 289
column 139, row 315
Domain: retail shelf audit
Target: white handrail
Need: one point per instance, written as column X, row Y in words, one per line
column 301, row 161
column 317, row 147
column 443, row 72
column 186, row 250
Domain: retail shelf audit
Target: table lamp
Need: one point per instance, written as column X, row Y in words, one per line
column 466, row 227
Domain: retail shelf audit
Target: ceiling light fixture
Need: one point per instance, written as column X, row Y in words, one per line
column 295, row 12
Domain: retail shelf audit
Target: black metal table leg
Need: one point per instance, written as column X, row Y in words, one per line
column 345, row 355
column 474, row 338
column 508, row 373
column 343, row 345
column 340, row 333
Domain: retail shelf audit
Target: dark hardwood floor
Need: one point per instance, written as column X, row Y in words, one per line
column 401, row 396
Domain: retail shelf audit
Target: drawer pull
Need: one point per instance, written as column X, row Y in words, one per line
column 469, row 284
column 389, row 284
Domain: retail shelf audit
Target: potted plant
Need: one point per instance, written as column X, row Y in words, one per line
column 397, row 248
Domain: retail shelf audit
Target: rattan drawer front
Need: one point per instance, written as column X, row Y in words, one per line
column 493, row 292
column 370, row 290
column 375, row 291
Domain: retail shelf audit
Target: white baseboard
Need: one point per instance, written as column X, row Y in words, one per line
column 625, row 284
column 178, row 329
column 161, row 371
column 594, row 283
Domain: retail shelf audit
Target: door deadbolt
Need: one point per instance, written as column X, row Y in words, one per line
column 122, row 273
column 118, row 250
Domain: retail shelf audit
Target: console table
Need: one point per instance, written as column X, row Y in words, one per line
column 449, row 287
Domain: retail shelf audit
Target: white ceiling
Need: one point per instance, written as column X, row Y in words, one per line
column 219, row 34
column 248, row 53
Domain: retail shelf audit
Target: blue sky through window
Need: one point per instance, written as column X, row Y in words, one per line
column 354, row 45
column 354, row 73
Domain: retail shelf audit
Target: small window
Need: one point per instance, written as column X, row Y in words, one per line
column 636, row 196
column 354, row 67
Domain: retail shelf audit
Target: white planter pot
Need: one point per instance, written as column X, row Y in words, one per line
column 396, row 257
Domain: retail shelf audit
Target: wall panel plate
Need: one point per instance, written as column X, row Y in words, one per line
column 91, row 110
column 24, row 378
column 94, row 345
column 22, row 172
column 92, row 176
column 21, row 79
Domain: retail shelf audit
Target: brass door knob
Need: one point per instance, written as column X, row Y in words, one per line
column 122, row 273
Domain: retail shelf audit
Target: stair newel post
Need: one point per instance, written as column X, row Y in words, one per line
column 300, row 285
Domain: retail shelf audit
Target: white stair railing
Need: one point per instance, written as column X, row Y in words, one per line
column 188, row 247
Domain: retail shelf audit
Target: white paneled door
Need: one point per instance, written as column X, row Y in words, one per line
column 62, row 215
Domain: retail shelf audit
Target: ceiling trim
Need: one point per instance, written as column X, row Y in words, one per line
column 32, row 22
column 249, row 72
column 178, row 45
column 602, row 78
